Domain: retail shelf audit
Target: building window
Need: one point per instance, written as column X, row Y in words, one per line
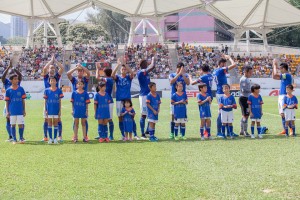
column 173, row 27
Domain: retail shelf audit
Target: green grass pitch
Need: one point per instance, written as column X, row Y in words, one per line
column 191, row 169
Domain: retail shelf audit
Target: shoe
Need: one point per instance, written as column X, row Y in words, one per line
column 97, row 138
column 60, row 139
column 75, row 140
column 144, row 137
column 234, row 135
column 291, row 132
column 137, row 138
column 202, row 138
column 282, row 133
column 177, row 138
column 125, row 139
column 107, row 140
column 171, row 136
column 220, row 135
column 45, row 139
column 260, row 136
column 205, row 134
column 210, row 138
column 50, row 141
column 252, row 136
column 130, row 139
column 111, row 138
column 183, row 138
column 55, row 141
column 242, row 133
column 155, row 138
column 152, row 139
column 101, row 140
column 246, row 134
column 9, row 140
column 22, row 141
column 85, row 139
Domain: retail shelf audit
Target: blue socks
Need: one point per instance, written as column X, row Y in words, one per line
column 182, row 130
column 134, row 129
column 142, row 125
column 252, row 130
column 230, row 129
column 13, row 133
column 8, row 129
column 86, row 127
column 55, row 131
column 151, row 132
column 223, row 129
column 45, row 126
column 202, row 131
column 208, row 131
column 258, row 130
column 100, row 130
column 172, row 125
column 286, row 128
column 50, row 132
column 176, row 131
column 283, row 122
column 111, row 129
column 219, row 124
column 121, row 126
column 105, row 131
column 21, row 133
column 59, row 129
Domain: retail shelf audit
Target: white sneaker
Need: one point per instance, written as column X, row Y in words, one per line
column 9, row 140
column 55, row 141
column 202, row 138
column 260, row 136
column 137, row 138
column 50, row 141
column 252, row 136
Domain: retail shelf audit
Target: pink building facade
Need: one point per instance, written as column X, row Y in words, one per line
column 187, row 26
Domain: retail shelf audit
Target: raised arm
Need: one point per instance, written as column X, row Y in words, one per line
column 151, row 67
column 87, row 72
column 46, row 68
column 275, row 74
column 61, row 67
column 71, row 71
column 6, row 71
column 119, row 63
column 232, row 65
column 98, row 67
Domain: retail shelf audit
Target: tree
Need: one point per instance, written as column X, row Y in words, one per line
column 114, row 24
column 16, row 41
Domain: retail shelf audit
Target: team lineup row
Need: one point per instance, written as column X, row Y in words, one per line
column 250, row 101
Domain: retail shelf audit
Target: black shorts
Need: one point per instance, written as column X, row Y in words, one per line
column 244, row 106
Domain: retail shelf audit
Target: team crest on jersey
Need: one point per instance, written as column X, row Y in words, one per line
column 19, row 93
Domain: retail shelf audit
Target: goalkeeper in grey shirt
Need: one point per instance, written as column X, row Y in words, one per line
column 245, row 91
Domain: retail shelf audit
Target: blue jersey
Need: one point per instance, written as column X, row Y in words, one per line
column 179, row 109
column 180, row 79
column 128, row 120
column 255, row 105
column 288, row 101
column 204, row 109
column 74, row 81
column 286, row 79
column 154, row 102
column 144, row 80
column 123, row 85
column 80, row 101
column 207, row 79
column 227, row 101
column 109, row 86
column 15, row 97
column 52, row 100
column 102, row 102
column 46, row 80
column 220, row 78
column 7, row 83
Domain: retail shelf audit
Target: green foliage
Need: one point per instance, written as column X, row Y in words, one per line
column 115, row 24
column 191, row 169
column 16, row 41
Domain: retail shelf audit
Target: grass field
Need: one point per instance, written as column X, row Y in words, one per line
column 191, row 169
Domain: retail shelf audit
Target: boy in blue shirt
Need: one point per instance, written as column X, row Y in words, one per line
column 204, row 101
column 226, row 105
column 52, row 98
column 15, row 107
column 179, row 100
column 290, row 103
column 255, row 103
column 153, row 106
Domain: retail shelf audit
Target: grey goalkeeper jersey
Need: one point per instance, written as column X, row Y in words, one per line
column 245, row 87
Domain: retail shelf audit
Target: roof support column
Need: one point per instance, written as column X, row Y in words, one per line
column 29, row 42
column 57, row 32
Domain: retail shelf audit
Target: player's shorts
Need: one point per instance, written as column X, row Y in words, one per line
column 289, row 114
column 280, row 103
column 111, row 109
column 53, row 117
column 152, row 120
column 244, row 106
column 180, row 121
column 119, row 105
column 171, row 109
column 143, row 104
column 226, row 117
column 205, row 117
column 17, row 119
column 256, row 120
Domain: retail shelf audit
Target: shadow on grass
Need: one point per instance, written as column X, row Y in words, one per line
column 163, row 140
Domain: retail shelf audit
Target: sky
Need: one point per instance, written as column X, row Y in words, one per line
column 82, row 16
